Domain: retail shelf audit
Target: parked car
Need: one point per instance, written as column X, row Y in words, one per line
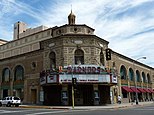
column 10, row 100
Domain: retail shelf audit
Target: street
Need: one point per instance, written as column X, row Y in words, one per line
column 135, row 110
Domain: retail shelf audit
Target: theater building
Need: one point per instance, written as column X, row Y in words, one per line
column 39, row 63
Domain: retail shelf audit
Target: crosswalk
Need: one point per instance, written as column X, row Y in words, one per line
column 30, row 112
column 21, row 111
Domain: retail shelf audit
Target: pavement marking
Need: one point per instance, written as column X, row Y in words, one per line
column 42, row 113
column 7, row 112
column 19, row 111
column 145, row 109
column 64, row 111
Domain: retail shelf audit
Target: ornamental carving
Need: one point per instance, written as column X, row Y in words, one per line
column 87, row 50
column 70, row 50
column 58, row 51
column 6, row 83
column 18, row 82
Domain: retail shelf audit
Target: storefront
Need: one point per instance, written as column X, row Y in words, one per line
column 130, row 93
column 93, row 85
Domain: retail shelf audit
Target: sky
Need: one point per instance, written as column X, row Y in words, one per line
column 128, row 25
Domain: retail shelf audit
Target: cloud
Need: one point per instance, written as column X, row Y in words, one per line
column 127, row 25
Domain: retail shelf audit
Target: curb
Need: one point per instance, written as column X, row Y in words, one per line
column 43, row 107
column 83, row 108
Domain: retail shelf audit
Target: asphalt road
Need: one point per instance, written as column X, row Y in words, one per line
column 140, row 110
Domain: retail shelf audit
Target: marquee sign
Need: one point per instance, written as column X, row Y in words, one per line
column 84, row 78
column 83, row 73
column 85, row 69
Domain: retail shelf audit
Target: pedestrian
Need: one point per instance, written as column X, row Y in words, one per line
column 119, row 99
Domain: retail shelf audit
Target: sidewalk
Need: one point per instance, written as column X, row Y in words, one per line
column 109, row 106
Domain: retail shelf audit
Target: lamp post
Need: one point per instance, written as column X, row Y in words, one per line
column 135, row 79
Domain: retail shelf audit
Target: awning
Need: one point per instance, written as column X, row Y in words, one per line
column 147, row 90
column 151, row 90
column 127, row 89
column 141, row 90
column 134, row 89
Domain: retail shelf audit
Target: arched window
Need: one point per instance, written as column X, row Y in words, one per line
column 79, row 57
column 148, row 78
column 138, row 76
column 131, row 74
column 123, row 72
column 19, row 73
column 6, row 75
column 143, row 77
column 101, row 58
column 52, row 57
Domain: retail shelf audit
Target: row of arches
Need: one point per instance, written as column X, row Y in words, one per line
column 18, row 74
column 140, row 77
column 78, row 58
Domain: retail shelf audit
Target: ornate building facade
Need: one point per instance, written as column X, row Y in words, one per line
column 39, row 64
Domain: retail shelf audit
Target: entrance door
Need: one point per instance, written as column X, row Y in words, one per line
column 33, row 96
column 84, row 95
column 5, row 93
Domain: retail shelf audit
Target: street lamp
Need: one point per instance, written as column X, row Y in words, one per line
column 135, row 79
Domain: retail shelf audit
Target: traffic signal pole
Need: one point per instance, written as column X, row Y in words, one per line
column 72, row 97
column 74, row 81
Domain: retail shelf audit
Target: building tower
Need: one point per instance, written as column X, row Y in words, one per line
column 19, row 27
column 71, row 19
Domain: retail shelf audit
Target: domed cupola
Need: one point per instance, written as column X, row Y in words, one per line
column 71, row 19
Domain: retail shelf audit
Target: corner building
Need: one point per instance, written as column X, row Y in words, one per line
column 39, row 64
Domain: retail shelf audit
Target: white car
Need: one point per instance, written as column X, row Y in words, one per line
column 11, row 100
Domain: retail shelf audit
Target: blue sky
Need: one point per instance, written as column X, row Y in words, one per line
column 127, row 24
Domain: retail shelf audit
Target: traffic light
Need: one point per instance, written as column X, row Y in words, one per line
column 74, row 83
column 108, row 54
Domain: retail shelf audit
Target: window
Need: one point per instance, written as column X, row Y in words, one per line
column 138, row 76
column 123, row 72
column 52, row 57
column 148, row 78
column 143, row 77
column 19, row 73
column 131, row 74
column 6, row 75
column 79, row 57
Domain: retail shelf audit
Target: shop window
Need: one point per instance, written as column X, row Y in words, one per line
column 6, row 75
column 19, row 73
column 79, row 57
column 52, row 57
column 124, row 94
column 123, row 72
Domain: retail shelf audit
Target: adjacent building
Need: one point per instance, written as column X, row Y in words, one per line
column 38, row 65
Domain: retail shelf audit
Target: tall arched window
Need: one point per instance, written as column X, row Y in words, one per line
column 52, row 57
column 143, row 77
column 138, row 76
column 6, row 75
column 123, row 72
column 19, row 73
column 148, row 78
column 79, row 56
column 101, row 58
column 131, row 74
